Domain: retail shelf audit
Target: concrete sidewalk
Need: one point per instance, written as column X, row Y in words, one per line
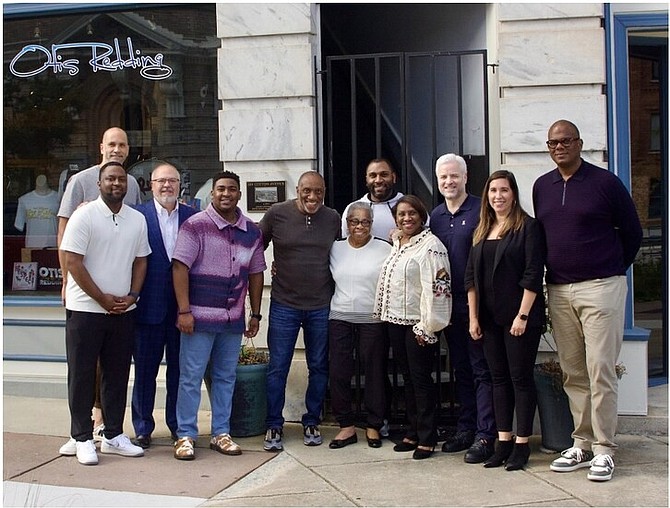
column 35, row 475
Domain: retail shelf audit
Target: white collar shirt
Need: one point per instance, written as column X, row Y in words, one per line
column 169, row 225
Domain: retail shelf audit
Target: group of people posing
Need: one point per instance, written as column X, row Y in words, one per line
column 472, row 270
column 384, row 275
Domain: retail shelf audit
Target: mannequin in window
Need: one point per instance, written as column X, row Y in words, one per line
column 36, row 213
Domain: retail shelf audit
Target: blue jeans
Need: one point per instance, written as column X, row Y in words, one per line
column 283, row 327
column 223, row 349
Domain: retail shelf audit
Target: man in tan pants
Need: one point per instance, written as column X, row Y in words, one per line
column 593, row 234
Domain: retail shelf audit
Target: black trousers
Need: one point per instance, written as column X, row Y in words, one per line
column 511, row 361
column 416, row 364
column 342, row 338
column 88, row 337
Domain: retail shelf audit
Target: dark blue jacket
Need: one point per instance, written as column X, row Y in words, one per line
column 157, row 299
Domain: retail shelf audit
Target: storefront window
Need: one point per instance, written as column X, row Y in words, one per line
column 68, row 78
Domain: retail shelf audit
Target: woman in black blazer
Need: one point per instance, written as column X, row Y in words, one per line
column 503, row 279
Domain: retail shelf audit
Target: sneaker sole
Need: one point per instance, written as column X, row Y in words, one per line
column 567, row 469
column 187, row 457
column 312, row 443
column 67, row 453
column 88, row 463
column 599, row 478
column 273, row 448
column 122, row 454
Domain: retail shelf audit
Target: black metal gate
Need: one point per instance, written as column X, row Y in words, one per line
column 409, row 108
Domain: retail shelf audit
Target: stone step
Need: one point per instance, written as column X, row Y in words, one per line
column 48, row 380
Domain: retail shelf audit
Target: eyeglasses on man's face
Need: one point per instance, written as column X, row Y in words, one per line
column 355, row 222
column 566, row 142
column 163, row 181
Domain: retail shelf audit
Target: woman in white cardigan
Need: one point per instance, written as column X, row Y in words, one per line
column 414, row 297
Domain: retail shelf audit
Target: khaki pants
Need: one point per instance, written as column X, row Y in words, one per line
column 588, row 320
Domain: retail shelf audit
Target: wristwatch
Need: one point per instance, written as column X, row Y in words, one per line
column 135, row 295
column 523, row 317
column 257, row 316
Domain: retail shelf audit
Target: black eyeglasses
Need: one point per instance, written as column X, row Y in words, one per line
column 566, row 142
column 355, row 222
column 163, row 181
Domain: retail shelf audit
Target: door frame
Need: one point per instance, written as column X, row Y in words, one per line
column 617, row 27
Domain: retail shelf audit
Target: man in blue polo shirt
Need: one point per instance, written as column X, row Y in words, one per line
column 453, row 222
column 593, row 234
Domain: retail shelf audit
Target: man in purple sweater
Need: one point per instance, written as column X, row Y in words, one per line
column 593, row 234
column 217, row 260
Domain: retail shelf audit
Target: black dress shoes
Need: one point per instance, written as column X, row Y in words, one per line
column 420, row 454
column 373, row 442
column 404, row 446
column 341, row 443
column 480, row 451
column 142, row 441
column 458, row 442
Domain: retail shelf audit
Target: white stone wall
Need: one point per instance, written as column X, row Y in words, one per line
column 266, row 85
column 267, row 122
column 551, row 66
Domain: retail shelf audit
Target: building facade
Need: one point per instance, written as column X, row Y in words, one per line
column 272, row 90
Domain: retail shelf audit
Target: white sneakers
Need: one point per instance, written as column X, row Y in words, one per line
column 86, row 454
column 121, row 445
column 69, row 448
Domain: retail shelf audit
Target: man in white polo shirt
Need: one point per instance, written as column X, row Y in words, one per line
column 82, row 187
column 105, row 248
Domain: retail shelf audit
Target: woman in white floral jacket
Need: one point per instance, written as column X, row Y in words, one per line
column 414, row 298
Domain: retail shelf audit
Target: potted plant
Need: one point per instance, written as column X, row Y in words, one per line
column 249, row 398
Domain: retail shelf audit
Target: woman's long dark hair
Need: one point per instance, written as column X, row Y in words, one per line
column 487, row 217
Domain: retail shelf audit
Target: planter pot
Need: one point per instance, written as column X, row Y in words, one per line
column 249, row 401
column 556, row 422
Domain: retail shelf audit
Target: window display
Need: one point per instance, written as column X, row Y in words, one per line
column 37, row 213
column 67, row 79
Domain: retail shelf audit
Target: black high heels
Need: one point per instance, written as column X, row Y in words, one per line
column 518, row 458
column 422, row 453
column 502, row 453
column 404, row 446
